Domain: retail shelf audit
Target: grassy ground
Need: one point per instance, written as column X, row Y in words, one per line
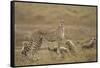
column 79, row 22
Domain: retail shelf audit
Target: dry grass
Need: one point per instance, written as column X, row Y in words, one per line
column 79, row 22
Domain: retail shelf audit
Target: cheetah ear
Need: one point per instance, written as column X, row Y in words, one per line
column 24, row 43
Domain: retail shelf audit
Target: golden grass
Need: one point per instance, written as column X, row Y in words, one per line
column 48, row 57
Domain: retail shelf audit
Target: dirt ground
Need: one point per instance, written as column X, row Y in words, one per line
column 79, row 23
